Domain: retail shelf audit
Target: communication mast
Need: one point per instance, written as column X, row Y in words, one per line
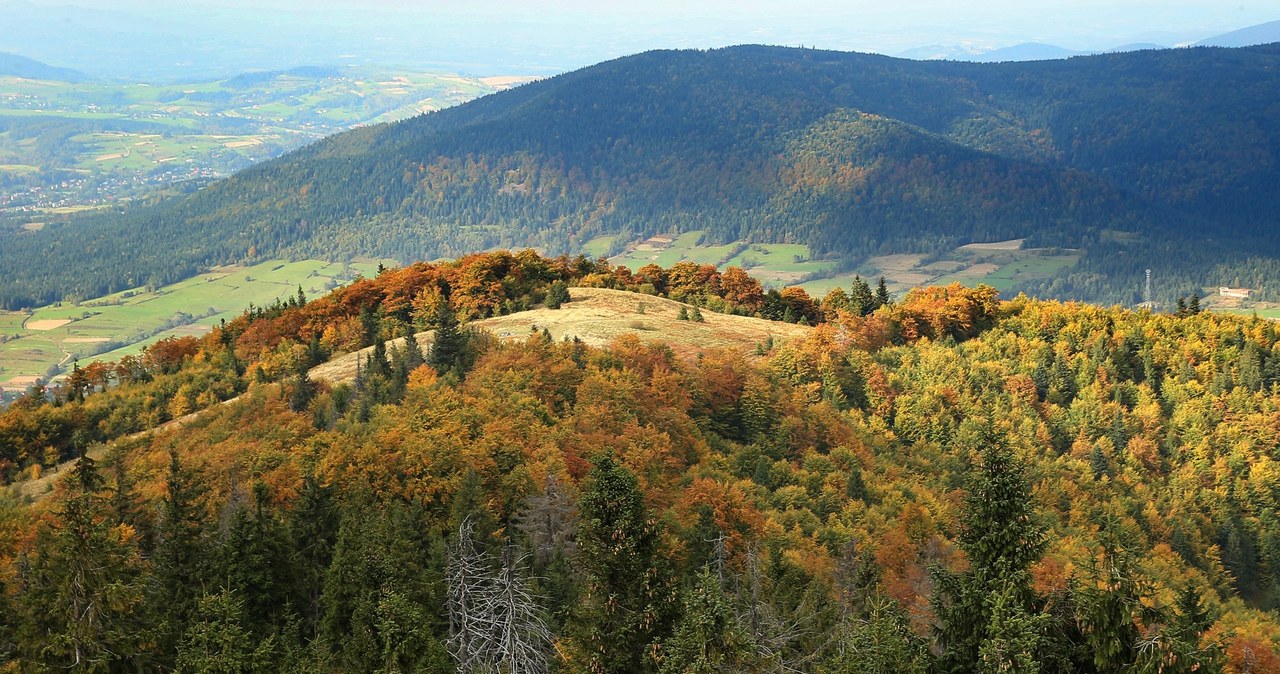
column 1146, row 290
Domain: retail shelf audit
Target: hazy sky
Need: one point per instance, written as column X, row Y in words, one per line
column 554, row 35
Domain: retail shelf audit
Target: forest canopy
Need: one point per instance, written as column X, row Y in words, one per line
column 943, row 483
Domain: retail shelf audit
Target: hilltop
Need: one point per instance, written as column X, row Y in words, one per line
column 597, row 317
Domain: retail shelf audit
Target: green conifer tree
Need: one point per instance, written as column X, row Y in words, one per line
column 447, row 348
column 882, row 294
column 313, row 530
column 218, row 641
column 627, row 596
column 1002, row 540
column 557, row 294
column 83, row 588
column 707, row 638
column 178, row 559
column 861, row 301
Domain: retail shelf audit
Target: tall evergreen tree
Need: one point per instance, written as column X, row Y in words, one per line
column 383, row 596
column 219, row 642
column 177, row 561
column 449, row 343
column 313, row 530
column 882, row 294
column 628, row 598
column 83, row 589
column 994, row 597
column 254, row 563
column 881, row 642
column 861, row 301
column 707, row 638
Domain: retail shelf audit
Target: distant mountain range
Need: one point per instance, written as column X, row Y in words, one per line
column 1264, row 33
column 1165, row 158
column 20, row 66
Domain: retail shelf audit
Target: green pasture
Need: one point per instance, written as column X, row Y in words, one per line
column 820, row 287
column 131, row 317
column 1268, row 313
column 601, row 245
column 775, row 256
column 1024, row 268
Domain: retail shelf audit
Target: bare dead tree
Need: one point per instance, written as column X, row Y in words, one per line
column 495, row 620
column 521, row 635
column 782, row 642
column 470, row 578
column 550, row 520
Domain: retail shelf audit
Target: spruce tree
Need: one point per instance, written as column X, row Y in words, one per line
column 313, row 531
column 881, row 642
column 81, row 607
column 218, row 641
column 1002, row 540
column 707, row 637
column 177, row 561
column 449, row 344
column 254, row 562
column 861, row 301
column 557, row 295
column 627, row 598
column 882, row 294
column 382, row 600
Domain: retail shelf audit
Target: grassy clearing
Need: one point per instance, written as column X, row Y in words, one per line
column 601, row 245
column 1269, row 313
column 598, row 316
column 1001, row 265
column 775, row 265
column 11, row 322
column 129, row 321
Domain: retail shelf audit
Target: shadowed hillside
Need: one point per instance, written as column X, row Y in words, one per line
column 853, row 154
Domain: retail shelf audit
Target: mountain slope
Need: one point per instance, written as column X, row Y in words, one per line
column 12, row 65
column 1263, row 33
column 853, row 154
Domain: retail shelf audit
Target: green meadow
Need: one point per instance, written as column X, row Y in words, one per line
column 50, row 338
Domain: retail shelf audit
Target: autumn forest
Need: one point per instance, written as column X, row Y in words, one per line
column 945, row 482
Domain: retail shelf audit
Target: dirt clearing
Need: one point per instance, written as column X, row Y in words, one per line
column 1011, row 244
column 48, row 324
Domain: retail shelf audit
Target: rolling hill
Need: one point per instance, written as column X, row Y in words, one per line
column 20, row 66
column 1262, row 33
column 1134, row 157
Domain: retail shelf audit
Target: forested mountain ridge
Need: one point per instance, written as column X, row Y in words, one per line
column 852, row 154
column 948, row 483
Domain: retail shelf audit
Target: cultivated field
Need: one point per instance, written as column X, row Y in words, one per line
column 1000, row 264
column 774, row 264
column 117, row 140
column 111, row 327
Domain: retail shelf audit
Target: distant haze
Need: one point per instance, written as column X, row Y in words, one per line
column 147, row 38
